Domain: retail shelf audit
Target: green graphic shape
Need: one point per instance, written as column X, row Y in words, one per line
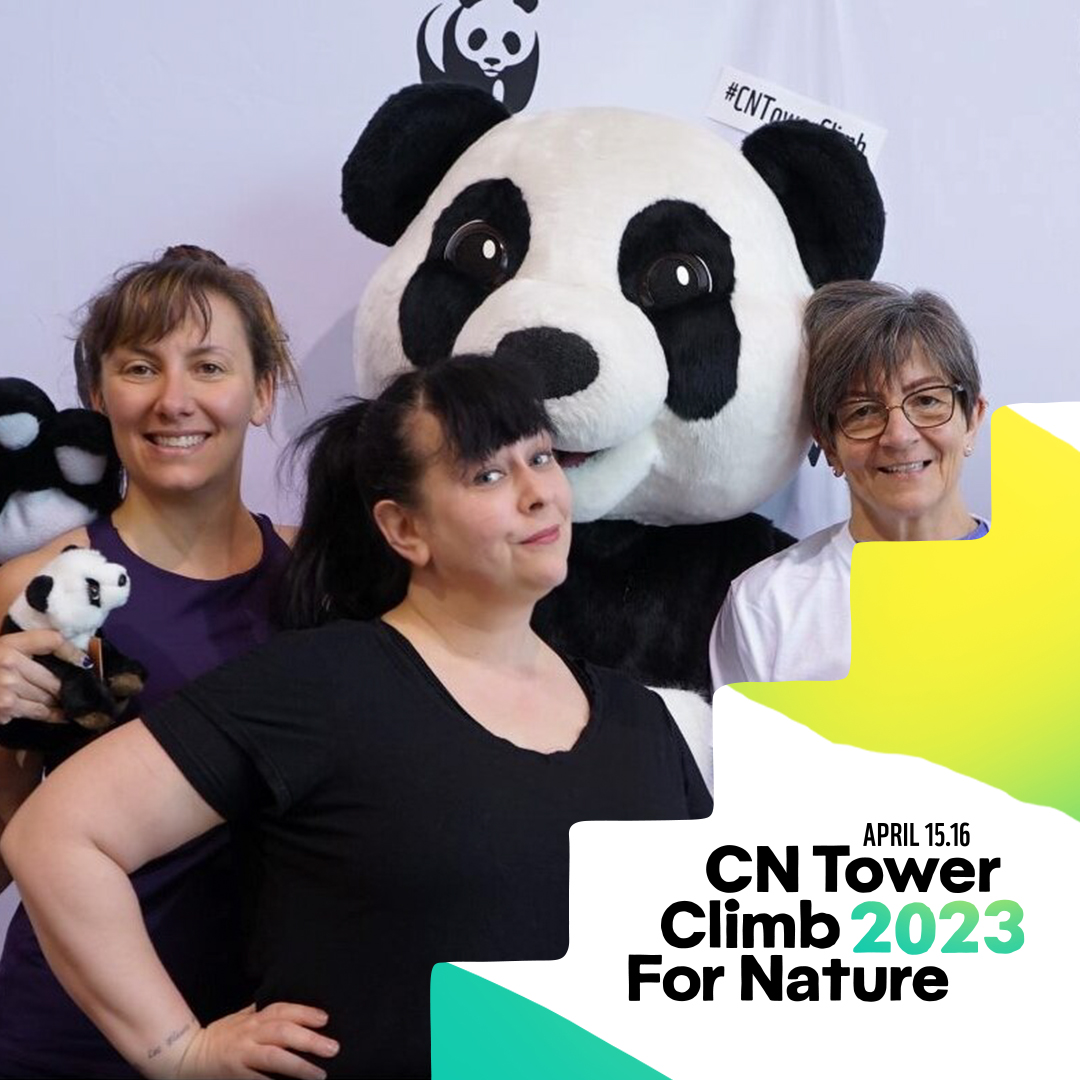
column 479, row 1031
column 967, row 654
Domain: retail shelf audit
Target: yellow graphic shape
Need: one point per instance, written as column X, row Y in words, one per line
column 968, row 654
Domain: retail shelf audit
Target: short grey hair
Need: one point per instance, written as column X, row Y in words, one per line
column 858, row 333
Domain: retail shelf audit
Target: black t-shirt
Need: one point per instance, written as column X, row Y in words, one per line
column 394, row 831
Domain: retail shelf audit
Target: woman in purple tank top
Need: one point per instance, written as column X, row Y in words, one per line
column 183, row 355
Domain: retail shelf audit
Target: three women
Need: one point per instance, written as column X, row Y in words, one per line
column 394, row 763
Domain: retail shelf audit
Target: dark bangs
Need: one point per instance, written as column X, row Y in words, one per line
column 483, row 403
column 342, row 566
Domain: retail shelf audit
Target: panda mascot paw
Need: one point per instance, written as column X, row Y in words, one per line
column 58, row 470
column 73, row 594
column 655, row 275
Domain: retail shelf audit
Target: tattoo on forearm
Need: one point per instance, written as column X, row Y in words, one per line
column 169, row 1040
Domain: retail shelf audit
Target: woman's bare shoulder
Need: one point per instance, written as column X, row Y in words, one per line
column 15, row 573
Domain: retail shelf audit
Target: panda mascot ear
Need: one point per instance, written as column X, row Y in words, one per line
column 828, row 193
column 405, row 151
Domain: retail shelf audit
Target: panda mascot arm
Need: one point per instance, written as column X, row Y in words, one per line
column 58, row 470
column 73, row 594
column 656, row 277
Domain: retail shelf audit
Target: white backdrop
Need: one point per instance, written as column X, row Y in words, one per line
column 125, row 127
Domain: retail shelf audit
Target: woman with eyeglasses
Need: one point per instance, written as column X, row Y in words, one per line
column 893, row 393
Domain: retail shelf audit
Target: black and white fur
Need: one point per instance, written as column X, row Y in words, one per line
column 656, row 276
column 58, row 470
column 74, row 594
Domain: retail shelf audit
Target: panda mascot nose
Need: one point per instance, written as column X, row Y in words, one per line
column 565, row 362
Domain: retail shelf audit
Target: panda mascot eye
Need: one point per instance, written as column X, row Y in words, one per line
column 674, row 279
column 479, row 252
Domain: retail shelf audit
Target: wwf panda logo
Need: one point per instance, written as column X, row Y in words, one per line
column 491, row 44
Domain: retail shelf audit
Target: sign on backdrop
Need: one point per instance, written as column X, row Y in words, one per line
column 746, row 102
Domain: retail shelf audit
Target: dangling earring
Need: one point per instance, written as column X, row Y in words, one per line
column 968, row 451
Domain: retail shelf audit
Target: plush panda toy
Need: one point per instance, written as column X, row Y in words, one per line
column 73, row 594
column 58, row 470
column 656, row 277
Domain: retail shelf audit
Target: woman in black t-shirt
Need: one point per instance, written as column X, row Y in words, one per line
column 412, row 759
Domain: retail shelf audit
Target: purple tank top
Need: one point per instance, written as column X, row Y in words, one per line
column 191, row 898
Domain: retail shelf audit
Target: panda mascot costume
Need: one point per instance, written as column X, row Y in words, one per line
column 656, row 277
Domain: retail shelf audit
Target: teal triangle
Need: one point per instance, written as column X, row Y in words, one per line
column 481, row 1031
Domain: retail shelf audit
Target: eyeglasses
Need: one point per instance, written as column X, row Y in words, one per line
column 927, row 407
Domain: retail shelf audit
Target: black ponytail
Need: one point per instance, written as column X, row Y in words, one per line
column 342, row 566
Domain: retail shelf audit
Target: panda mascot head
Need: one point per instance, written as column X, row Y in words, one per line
column 653, row 273
column 655, row 276
column 58, row 470
column 490, row 44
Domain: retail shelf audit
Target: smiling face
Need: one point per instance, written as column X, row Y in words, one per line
column 905, row 482
column 180, row 407
column 497, row 529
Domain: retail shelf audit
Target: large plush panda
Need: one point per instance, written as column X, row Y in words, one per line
column 58, row 470
column 656, row 276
